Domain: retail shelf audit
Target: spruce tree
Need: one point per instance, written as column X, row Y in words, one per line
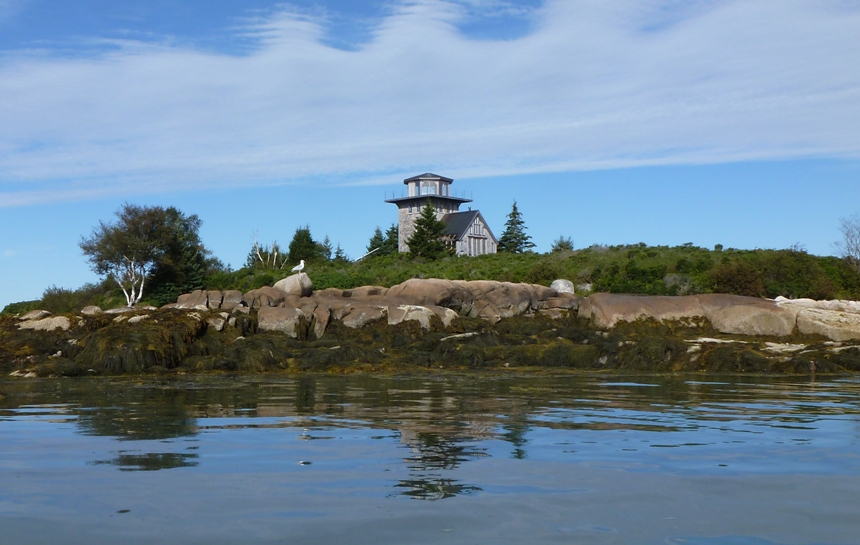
column 303, row 246
column 391, row 245
column 426, row 241
column 376, row 241
column 514, row 239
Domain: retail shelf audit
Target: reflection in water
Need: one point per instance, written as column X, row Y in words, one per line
column 431, row 488
column 445, row 423
column 151, row 461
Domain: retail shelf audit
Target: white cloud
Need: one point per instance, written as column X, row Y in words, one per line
column 595, row 85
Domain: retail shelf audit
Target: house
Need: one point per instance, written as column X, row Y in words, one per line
column 467, row 231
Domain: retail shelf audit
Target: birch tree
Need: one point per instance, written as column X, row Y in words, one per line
column 129, row 250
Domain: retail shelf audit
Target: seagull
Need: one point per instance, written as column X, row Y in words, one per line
column 300, row 267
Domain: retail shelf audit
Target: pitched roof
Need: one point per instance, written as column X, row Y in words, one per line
column 458, row 223
column 427, row 176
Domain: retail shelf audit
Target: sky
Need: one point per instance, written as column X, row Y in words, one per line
column 732, row 122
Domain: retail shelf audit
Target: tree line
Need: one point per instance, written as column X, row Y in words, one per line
column 154, row 254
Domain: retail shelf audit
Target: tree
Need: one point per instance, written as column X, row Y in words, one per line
column 391, row 244
column 514, row 239
column 427, row 240
column 303, row 246
column 562, row 244
column 324, row 249
column 849, row 247
column 384, row 244
column 376, row 241
column 144, row 241
column 185, row 262
column 264, row 257
column 339, row 255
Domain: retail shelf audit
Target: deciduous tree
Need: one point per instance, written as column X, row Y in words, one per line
column 148, row 241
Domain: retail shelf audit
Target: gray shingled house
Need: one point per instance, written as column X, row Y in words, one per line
column 467, row 232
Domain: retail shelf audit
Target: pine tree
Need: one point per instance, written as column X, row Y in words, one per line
column 376, row 241
column 562, row 244
column 303, row 246
column 340, row 256
column 426, row 241
column 324, row 249
column 391, row 245
column 514, row 239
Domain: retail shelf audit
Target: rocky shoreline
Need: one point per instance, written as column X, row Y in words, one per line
column 426, row 324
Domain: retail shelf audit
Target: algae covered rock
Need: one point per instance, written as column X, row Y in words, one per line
column 47, row 324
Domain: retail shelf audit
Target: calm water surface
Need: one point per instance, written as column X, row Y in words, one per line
column 357, row 460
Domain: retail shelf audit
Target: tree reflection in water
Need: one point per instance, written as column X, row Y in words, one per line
column 433, row 453
column 152, row 461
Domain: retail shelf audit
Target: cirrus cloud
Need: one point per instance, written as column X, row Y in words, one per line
column 593, row 85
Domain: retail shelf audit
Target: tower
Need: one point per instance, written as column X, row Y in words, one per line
column 420, row 189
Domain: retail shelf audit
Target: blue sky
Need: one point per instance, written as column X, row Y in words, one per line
column 660, row 121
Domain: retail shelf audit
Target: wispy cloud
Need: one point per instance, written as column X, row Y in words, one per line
column 595, row 85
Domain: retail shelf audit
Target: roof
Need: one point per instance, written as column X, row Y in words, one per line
column 421, row 199
column 458, row 223
column 427, row 176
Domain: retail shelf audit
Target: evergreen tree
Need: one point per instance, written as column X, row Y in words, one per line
column 376, row 241
column 427, row 239
column 324, row 249
column 514, row 239
column 340, row 256
column 303, row 246
column 562, row 244
column 392, row 241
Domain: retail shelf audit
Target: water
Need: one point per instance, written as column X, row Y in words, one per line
column 355, row 460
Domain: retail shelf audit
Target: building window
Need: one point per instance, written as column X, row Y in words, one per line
column 428, row 188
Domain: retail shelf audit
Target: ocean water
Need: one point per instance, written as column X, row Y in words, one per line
column 600, row 459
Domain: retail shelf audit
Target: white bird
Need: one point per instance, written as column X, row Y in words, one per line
column 300, row 267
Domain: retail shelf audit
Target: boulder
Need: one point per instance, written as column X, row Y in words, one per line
column 297, row 284
column 365, row 291
column 35, row 315
column 359, row 315
column 265, row 297
column 215, row 298
column 404, row 313
column 286, row 320
column 47, row 324
column 452, row 294
column 565, row 301
column 738, row 315
column 91, row 310
column 322, row 317
column 446, row 315
column 607, row 309
column 562, row 286
column 197, row 300
column 232, row 299
column 834, row 324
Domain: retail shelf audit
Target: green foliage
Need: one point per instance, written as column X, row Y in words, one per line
column 265, row 257
column 303, row 246
column 562, row 244
column 392, row 240
column 340, row 256
column 150, row 241
column 427, row 241
column 514, row 239
column 376, row 242
column 19, row 308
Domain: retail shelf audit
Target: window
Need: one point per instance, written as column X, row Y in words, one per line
column 428, row 188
